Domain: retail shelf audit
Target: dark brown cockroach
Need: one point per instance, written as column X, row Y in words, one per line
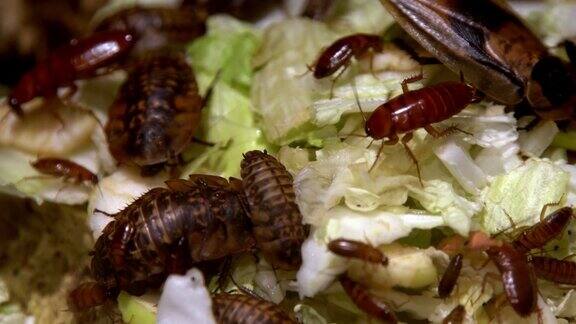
column 357, row 250
column 278, row 227
column 489, row 44
column 155, row 114
column 158, row 27
column 81, row 59
column 66, row 169
column 244, row 309
column 541, row 233
column 558, row 271
column 318, row 9
column 570, row 47
column 456, row 316
column 363, row 300
column 168, row 230
column 450, row 277
column 88, row 295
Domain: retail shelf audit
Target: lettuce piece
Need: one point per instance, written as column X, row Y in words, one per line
column 520, row 195
column 535, row 142
column 308, row 315
column 359, row 16
column 565, row 140
column 141, row 310
column 116, row 5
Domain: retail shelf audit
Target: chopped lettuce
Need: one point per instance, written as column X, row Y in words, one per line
column 359, row 16
column 308, row 315
column 139, row 310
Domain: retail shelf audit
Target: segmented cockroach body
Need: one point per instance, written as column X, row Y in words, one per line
column 168, row 230
column 363, row 300
column 517, row 277
column 456, row 316
column 558, row 271
column 155, row 114
column 158, row 27
column 278, row 227
column 450, row 277
column 541, row 233
column 65, row 169
column 243, row 309
column 81, row 59
column 88, row 295
column 357, row 250
column 340, row 53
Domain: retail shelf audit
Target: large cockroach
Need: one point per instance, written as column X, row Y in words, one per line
column 558, row 271
column 167, row 230
column 450, row 277
column 244, row 309
column 357, row 250
column 363, row 300
column 158, row 27
column 541, row 233
column 155, row 114
column 81, row 59
column 66, row 169
column 278, row 227
column 494, row 49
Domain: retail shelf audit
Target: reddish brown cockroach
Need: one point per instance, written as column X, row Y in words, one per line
column 450, row 277
column 88, row 295
column 278, row 227
column 155, row 114
column 456, row 316
column 65, row 169
column 81, row 59
column 541, row 233
column 558, row 271
column 363, row 300
column 158, row 27
column 492, row 47
column 168, row 230
column 357, row 250
column 243, row 309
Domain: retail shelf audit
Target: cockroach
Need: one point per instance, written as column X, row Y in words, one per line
column 570, row 47
column 158, row 27
column 244, row 309
column 155, row 114
column 517, row 277
column 317, row 9
column 65, row 169
column 456, row 316
column 418, row 108
column 541, row 233
column 487, row 42
column 88, row 295
column 450, row 277
column 169, row 230
column 278, row 227
column 81, row 59
column 357, row 250
column 363, row 300
column 558, row 271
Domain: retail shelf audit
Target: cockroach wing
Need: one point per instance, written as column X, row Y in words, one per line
column 482, row 39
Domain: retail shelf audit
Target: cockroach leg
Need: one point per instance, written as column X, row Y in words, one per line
column 405, row 139
column 412, row 79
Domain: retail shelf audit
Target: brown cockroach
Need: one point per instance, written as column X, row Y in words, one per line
column 155, row 114
column 158, row 27
column 487, row 42
column 570, row 48
column 278, row 227
column 244, row 309
column 364, row 301
column 450, row 276
column 66, row 169
column 168, row 230
column 357, row 250
column 456, row 316
column 88, row 295
column 542, row 232
column 558, row 271
column 317, row 9
column 81, row 59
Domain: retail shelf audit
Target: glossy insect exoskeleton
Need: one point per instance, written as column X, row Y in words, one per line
column 366, row 302
column 66, row 169
column 167, row 230
column 450, row 277
column 541, row 233
column 278, row 227
column 81, row 59
column 357, row 250
column 155, row 113
column 243, row 309
column 489, row 44
column 88, row 295
column 558, row 271
column 456, row 316
column 158, row 27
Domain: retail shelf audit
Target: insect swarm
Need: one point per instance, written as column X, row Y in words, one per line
column 81, row 59
column 243, row 309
